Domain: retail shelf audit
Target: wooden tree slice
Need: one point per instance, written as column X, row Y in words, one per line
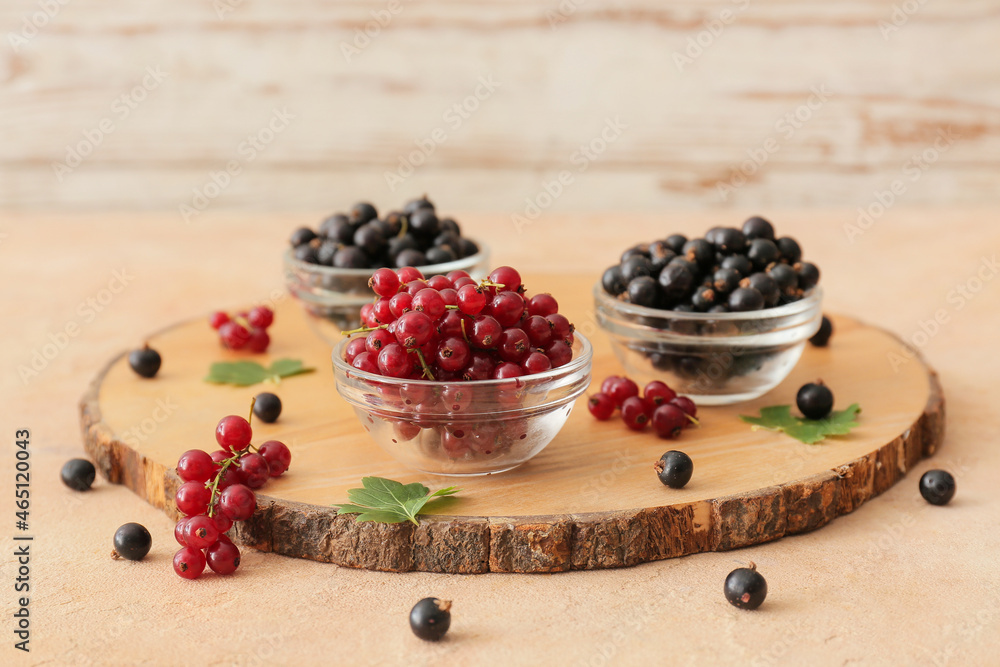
column 590, row 500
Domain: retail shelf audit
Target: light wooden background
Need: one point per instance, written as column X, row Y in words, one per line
column 564, row 71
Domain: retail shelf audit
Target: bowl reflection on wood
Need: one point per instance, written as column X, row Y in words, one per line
column 332, row 297
column 715, row 358
column 464, row 428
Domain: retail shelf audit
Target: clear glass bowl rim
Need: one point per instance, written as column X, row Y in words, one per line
column 458, row 264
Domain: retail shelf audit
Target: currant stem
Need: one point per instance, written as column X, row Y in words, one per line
column 252, row 402
column 363, row 330
column 423, row 362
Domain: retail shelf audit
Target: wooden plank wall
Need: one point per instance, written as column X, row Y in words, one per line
column 822, row 103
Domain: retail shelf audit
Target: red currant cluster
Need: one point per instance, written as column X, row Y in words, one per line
column 218, row 490
column 659, row 404
column 245, row 330
column 452, row 328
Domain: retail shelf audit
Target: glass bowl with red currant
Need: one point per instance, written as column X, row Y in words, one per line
column 454, row 376
column 722, row 319
column 327, row 269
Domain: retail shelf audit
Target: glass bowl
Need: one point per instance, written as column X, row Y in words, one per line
column 715, row 358
column 332, row 297
column 464, row 428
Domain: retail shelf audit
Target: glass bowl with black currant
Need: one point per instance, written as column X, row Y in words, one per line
column 327, row 269
column 722, row 318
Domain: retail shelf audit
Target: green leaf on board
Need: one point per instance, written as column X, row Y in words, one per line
column 809, row 431
column 246, row 373
column 387, row 501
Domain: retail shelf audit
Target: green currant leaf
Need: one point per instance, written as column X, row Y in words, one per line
column 246, row 373
column 809, row 431
column 388, row 501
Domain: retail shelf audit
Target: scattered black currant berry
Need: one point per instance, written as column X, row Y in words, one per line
column 78, row 474
column 132, row 541
column 815, row 400
column 267, row 407
column 430, row 618
column 822, row 337
column 145, row 361
column 937, row 487
column 746, row 588
column 674, row 469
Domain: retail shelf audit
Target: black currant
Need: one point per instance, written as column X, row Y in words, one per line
column 726, row 280
column 703, row 299
column 790, row 250
column 661, row 250
column 305, row 253
column 638, row 250
column 449, row 225
column 719, row 308
column 424, row 223
column 785, row 276
column 643, row 291
column 808, row 275
column 758, row 228
column 394, row 221
column 746, row 299
column 635, row 266
column 738, row 263
column 815, row 400
column 676, row 242
column 411, row 258
column 326, row 252
column 440, row 255
column 937, row 487
column 145, row 361
column 132, row 541
column 762, row 253
column 674, row 469
column 701, row 252
column 430, row 618
column 414, row 205
column 78, row 474
column 398, row 244
column 383, row 227
column 822, row 337
column 746, row 588
column 729, row 240
column 676, row 281
column 350, row 257
column 267, row 407
column 469, row 248
column 337, row 228
column 766, row 285
column 362, row 212
column 612, row 280
column 369, row 238
column 301, row 236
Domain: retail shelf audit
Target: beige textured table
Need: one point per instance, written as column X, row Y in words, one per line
column 895, row 582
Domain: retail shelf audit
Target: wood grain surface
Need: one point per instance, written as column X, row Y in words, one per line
column 590, row 500
column 891, row 81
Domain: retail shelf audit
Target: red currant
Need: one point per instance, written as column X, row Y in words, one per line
column 536, row 362
column 179, row 531
column 507, row 370
column 657, row 393
column 414, row 329
column 669, row 421
column 440, row 283
column 233, row 433
column 259, row 340
column 409, row 274
column 378, row 339
column 192, row 498
column 401, row 303
column 453, row 354
column 384, row 282
column 189, row 563
column 254, row 469
column 543, row 305
column 514, row 344
column 223, row 557
column 277, row 455
column 635, row 413
column 508, row 277
column 195, row 465
column 485, row 332
column 218, row 318
column 559, row 353
column 238, row 502
column 354, row 348
column 601, row 406
column 429, row 302
column 366, row 362
column 687, row 405
column 261, row 317
column 621, row 389
column 382, row 311
column 234, row 335
column 539, row 330
column 200, row 532
column 394, row 361
column 507, row 308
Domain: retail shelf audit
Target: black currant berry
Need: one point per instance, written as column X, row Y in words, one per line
column 132, row 541
column 78, row 474
column 790, row 250
column 440, row 255
column 145, row 361
column 326, row 252
column 450, row 226
column 337, row 228
column 635, row 266
column 362, row 212
column 424, row 223
column 738, row 263
column 676, row 242
column 745, row 299
column 674, row 469
column 758, row 228
column 469, row 248
column 767, row 287
column 676, row 281
column 822, row 337
column 815, row 400
column 414, row 205
column 746, row 588
column 305, row 253
column 726, row 280
column 785, row 276
column 350, row 257
column 267, row 407
column 937, row 487
column 637, row 250
column 729, row 241
column 701, row 252
column 612, row 281
column 411, row 258
column 703, row 299
column 762, row 253
column 430, row 618
column 370, row 239
column 808, row 275
column 643, row 291
column 398, row 244
column 301, row 236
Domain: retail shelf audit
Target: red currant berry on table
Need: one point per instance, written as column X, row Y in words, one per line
column 189, row 563
column 657, row 393
column 217, row 319
column 687, row 405
column 601, row 406
column 200, row 532
column 635, row 413
column 192, row 498
column 669, row 421
column 621, row 388
column 234, row 335
column 233, row 433
column 261, row 317
column 259, row 340
column 179, row 531
column 223, row 557
column 238, row 502
column 195, row 465
column 255, row 470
